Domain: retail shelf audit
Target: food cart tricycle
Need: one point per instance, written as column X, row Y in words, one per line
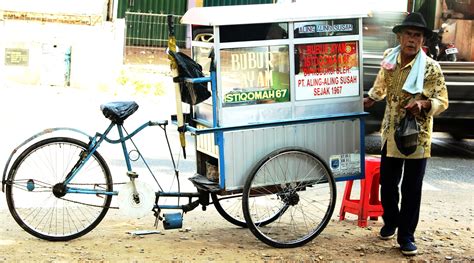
column 283, row 120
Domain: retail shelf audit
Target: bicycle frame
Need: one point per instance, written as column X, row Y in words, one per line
column 95, row 143
column 99, row 138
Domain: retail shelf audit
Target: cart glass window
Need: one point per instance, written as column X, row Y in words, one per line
column 201, row 56
column 327, row 70
column 253, row 32
column 323, row 28
column 255, row 75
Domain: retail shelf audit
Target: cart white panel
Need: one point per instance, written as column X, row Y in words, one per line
column 244, row 148
column 272, row 13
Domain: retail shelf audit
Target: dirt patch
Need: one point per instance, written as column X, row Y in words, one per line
column 444, row 234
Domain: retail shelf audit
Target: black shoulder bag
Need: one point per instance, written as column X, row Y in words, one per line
column 406, row 134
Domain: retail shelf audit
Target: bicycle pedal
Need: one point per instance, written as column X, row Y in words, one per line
column 157, row 219
column 156, row 213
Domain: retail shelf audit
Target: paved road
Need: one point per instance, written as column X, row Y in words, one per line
column 451, row 165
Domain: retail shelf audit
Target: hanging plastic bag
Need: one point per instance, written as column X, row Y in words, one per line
column 188, row 68
column 406, row 134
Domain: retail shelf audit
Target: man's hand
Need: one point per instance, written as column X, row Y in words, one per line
column 368, row 102
column 416, row 106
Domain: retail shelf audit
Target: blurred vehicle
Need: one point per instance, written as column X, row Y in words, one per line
column 459, row 75
column 438, row 50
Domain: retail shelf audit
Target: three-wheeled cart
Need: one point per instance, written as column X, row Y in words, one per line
column 280, row 122
column 285, row 119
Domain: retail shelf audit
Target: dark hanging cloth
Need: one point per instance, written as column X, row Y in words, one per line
column 191, row 93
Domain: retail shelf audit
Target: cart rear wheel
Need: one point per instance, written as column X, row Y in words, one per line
column 230, row 208
column 298, row 180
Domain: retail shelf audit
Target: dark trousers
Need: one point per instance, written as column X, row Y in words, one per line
column 406, row 217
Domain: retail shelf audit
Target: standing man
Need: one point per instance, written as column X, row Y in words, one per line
column 409, row 81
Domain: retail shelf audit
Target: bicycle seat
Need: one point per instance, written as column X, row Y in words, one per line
column 118, row 111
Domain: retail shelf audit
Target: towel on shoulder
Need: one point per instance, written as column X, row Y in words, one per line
column 415, row 79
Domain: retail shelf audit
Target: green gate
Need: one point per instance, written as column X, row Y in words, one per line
column 151, row 30
column 146, row 21
column 236, row 2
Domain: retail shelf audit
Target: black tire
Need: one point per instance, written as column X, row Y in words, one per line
column 233, row 208
column 29, row 190
column 294, row 178
column 452, row 57
column 230, row 208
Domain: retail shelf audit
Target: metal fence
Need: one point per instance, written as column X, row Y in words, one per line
column 237, row 2
column 151, row 30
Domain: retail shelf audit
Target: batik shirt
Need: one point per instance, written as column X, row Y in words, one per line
column 388, row 85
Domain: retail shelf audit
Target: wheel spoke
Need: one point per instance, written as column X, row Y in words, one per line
column 297, row 180
column 38, row 208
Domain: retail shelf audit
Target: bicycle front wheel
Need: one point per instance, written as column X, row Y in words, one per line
column 298, row 180
column 39, row 209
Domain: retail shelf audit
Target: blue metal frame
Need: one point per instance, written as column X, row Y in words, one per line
column 92, row 149
column 218, row 134
column 219, row 131
column 213, row 80
column 94, row 144
column 323, row 118
column 219, row 137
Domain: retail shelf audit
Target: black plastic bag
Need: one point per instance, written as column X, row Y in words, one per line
column 188, row 68
column 406, row 134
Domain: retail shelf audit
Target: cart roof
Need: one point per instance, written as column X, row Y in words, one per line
column 274, row 13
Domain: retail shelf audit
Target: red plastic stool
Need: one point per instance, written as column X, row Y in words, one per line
column 369, row 204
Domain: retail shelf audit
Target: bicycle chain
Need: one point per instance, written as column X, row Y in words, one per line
column 77, row 202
